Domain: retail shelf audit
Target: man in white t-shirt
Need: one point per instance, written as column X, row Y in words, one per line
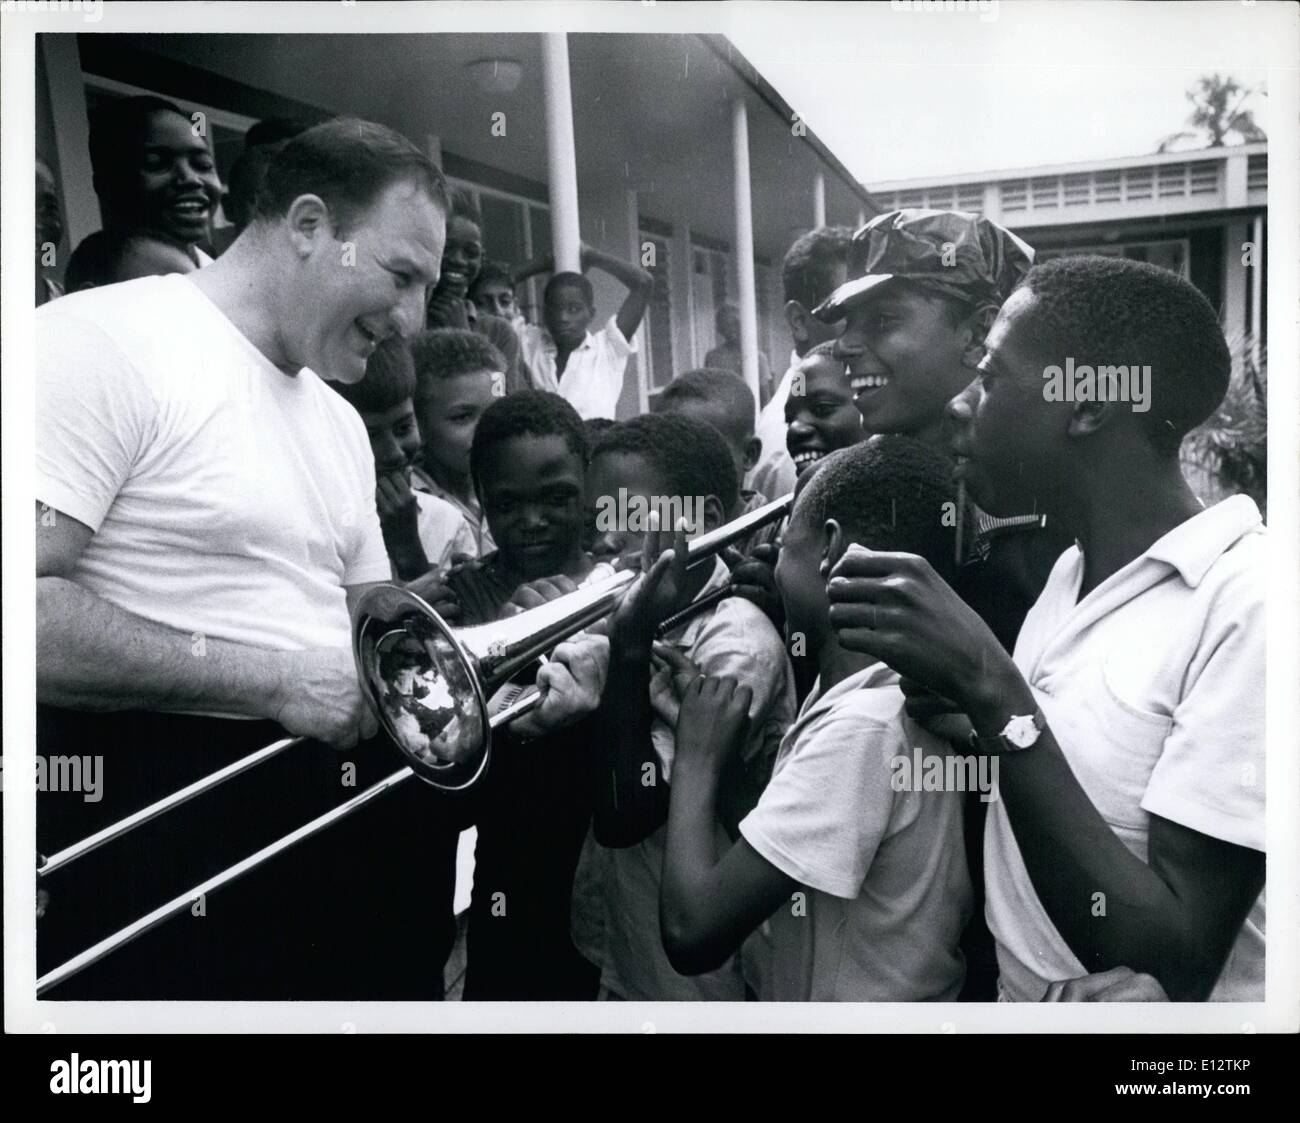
column 585, row 368
column 1129, row 727
column 206, row 510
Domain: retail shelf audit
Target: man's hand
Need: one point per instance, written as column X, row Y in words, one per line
column 895, row 607
column 711, row 725
column 319, row 696
column 1120, row 984
column 659, row 591
column 434, row 591
column 571, row 682
column 754, row 578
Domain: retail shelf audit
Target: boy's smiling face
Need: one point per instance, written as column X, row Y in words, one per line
column 462, row 256
column 824, row 417
column 904, row 354
column 532, row 492
column 1011, row 443
column 449, row 413
column 394, row 438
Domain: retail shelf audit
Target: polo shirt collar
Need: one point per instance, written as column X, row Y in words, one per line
column 869, row 678
column 1195, row 545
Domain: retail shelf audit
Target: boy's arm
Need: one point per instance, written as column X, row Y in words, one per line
column 707, row 905
column 543, row 264
column 1175, row 916
column 640, row 285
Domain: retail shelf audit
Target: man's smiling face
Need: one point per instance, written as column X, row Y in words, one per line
column 365, row 283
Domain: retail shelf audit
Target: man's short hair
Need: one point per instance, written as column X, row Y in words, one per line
column 529, row 413
column 888, row 493
column 1112, row 311
column 117, row 128
column 572, row 281
column 809, row 269
column 492, row 273
column 690, row 455
column 348, row 163
column 444, row 353
column 389, row 380
column 709, row 384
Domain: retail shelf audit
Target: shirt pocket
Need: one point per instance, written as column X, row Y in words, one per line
column 1122, row 743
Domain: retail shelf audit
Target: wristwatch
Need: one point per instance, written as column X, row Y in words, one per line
column 1020, row 732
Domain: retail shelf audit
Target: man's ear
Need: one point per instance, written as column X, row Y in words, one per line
column 753, row 450
column 309, row 222
column 796, row 316
column 834, row 543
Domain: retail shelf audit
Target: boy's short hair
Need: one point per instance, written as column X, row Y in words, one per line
column 691, row 455
column 492, row 273
column 1110, row 310
column 99, row 257
column 348, row 163
column 529, row 413
column 595, row 428
column 711, row 384
column 888, row 493
column 443, row 353
column 572, row 281
column 808, row 270
column 262, row 141
column 389, row 380
column 463, row 206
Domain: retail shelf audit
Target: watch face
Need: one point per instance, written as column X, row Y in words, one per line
column 1021, row 731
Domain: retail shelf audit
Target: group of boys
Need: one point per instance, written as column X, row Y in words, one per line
column 710, row 808
column 689, row 818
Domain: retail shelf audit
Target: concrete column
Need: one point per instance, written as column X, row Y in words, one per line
column 744, row 244
column 819, row 200
column 561, row 162
column 71, row 135
column 639, row 365
column 1257, row 290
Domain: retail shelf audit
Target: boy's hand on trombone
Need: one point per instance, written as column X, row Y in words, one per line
column 531, row 594
column 661, row 589
column 754, row 578
column 895, row 607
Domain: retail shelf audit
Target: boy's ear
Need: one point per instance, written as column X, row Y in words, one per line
column 834, row 543
column 753, row 450
column 796, row 315
column 309, row 221
column 977, row 327
column 714, row 515
column 1087, row 418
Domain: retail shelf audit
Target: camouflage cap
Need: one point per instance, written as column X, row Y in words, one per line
column 960, row 255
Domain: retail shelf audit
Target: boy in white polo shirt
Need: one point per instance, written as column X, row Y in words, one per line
column 1129, row 728
column 862, row 879
column 585, row 368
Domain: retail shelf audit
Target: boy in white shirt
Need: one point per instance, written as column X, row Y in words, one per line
column 1129, row 727
column 864, row 879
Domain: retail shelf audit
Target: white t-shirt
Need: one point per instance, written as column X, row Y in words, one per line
column 737, row 640
column 774, row 474
column 443, row 530
column 1153, row 685
column 884, row 888
column 593, row 376
column 227, row 498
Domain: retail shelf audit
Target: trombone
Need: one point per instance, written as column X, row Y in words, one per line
column 429, row 685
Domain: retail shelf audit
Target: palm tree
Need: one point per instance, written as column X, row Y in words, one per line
column 1217, row 115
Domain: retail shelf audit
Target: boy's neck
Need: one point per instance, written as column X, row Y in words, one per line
column 835, row 664
column 1116, row 522
column 458, row 483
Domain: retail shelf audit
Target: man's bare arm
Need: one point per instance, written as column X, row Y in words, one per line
column 92, row 655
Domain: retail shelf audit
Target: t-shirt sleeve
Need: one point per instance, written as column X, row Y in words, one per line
column 821, row 818
column 94, row 417
column 1210, row 775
